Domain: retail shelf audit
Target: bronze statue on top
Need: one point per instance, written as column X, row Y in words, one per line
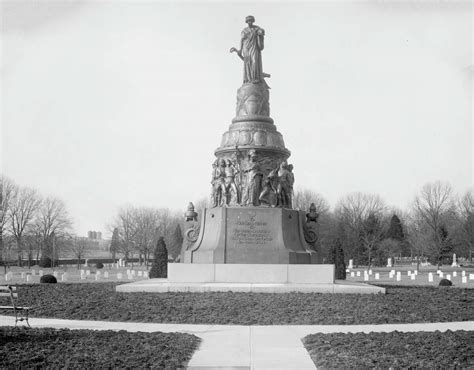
column 251, row 46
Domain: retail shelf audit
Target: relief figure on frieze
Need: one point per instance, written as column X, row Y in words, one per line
column 285, row 186
column 232, row 193
column 268, row 196
column 218, row 183
column 253, row 185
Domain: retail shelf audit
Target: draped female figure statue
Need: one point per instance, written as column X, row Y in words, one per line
column 251, row 46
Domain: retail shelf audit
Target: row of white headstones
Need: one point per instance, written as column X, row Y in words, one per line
column 413, row 275
column 84, row 274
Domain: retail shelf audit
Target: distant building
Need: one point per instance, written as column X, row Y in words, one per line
column 94, row 235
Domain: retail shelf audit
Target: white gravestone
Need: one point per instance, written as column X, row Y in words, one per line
column 88, row 272
column 441, row 274
column 464, row 279
column 377, row 276
column 455, row 273
column 106, row 274
column 471, row 276
column 119, row 276
column 83, row 277
column 33, row 272
column 389, row 262
column 145, row 274
column 83, row 272
column 399, row 276
column 366, row 277
column 140, row 273
column 23, row 275
column 463, row 273
column 430, row 277
column 413, row 276
column 415, row 272
column 28, row 278
column 370, row 272
column 41, row 273
column 64, row 277
column 454, row 264
column 448, row 276
column 351, row 264
column 134, row 272
column 408, row 273
column 358, row 273
column 352, row 274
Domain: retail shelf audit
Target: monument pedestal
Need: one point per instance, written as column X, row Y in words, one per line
column 262, row 278
column 251, row 235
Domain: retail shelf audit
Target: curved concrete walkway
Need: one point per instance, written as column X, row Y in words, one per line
column 252, row 347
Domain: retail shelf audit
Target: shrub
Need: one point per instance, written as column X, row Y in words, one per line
column 159, row 268
column 445, row 282
column 336, row 257
column 99, row 265
column 48, row 279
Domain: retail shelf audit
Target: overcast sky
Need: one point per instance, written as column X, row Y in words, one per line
column 113, row 103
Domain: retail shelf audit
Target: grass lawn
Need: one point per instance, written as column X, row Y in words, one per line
column 92, row 301
column 90, row 349
column 427, row 350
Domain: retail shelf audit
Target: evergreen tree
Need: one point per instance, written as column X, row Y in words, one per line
column 159, row 268
column 395, row 230
column 115, row 243
column 336, row 257
column 176, row 242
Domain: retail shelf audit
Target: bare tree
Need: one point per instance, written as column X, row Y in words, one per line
column 465, row 220
column 78, row 246
column 7, row 191
column 125, row 223
column 53, row 221
column 23, row 209
column 361, row 217
column 304, row 197
column 434, row 205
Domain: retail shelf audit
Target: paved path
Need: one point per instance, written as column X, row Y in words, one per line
column 255, row 347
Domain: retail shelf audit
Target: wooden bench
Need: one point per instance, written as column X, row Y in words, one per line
column 21, row 313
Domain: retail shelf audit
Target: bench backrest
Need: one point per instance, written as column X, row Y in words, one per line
column 9, row 291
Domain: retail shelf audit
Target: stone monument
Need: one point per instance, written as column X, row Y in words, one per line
column 251, row 220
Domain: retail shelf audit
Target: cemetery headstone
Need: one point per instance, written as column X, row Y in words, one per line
column 413, row 276
column 370, row 272
column 471, row 276
column 389, row 262
column 33, row 272
column 28, row 278
column 464, row 279
column 351, row 264
column 366, row 277
column 455, row 273
column 134, row 272
column 119, row 276
column 448, row 277
column 463, row 273
column 88, row 272
column 358, row 273
column 140, row 273
column 408, row 273
column 399, row 276
column 145, row 274
column 377, row 276
column 441, row 275
column 41, row 273
column 64, row 277
column 106, row 274
column 55, row 274
column 430, row 277
column 352, row 274
column 23, row 275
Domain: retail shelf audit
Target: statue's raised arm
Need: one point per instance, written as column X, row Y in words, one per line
column 251, row 46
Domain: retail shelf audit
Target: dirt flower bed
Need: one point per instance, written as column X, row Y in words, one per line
column 427, row 350
column 89, row 301
column 90, row 349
